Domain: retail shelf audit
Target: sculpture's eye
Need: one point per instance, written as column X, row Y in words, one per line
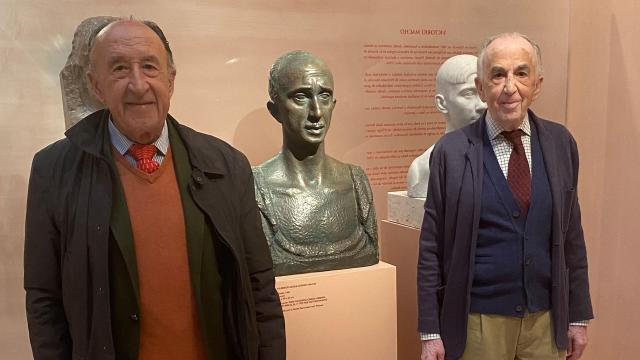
column 468, row 93
column 325, row 96
column 300, row 97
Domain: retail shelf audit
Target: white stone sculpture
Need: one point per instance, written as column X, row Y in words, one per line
column 77, row 100
column 457, row 98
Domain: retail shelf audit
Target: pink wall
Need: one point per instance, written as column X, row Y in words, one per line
column 600, row 35
column 604, row 115
column 223, row 50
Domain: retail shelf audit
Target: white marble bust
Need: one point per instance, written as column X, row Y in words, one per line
column 457, row 98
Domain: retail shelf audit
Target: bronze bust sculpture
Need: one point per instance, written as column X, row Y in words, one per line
column 317, row 212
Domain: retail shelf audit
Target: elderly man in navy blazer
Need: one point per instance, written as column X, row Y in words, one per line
column 502, row 270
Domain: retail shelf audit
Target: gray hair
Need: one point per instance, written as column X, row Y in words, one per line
column 150, row 24
column 281, row 62
column 487, row 42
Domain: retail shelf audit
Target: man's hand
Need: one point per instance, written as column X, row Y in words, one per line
column 432, row 350
column 577, row 342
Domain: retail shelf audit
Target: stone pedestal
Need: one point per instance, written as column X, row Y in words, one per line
column 341, row 314
column 400, row 248
column 405, row 210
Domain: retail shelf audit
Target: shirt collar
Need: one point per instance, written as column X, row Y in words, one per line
column 494, row 129
column 122, row 143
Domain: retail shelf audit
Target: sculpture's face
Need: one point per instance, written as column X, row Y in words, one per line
column 305, row 102
column 131, row 76
column 509, row 82
column 462, row 103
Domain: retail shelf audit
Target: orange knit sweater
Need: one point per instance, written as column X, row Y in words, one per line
column 169, row 327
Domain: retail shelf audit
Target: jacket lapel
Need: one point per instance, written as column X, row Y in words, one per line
column 475, row 133
column 474, row 158
column 208, row 167
column 193, row 218
column 123, row 234
column 549, row 153
column 120, row 223
column 208, row 185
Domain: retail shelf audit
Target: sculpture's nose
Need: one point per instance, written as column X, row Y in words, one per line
column 315, row 110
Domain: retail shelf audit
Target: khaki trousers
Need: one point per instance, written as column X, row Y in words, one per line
column 498, row 337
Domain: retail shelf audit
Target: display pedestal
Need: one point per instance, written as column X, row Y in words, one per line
column 340, row 314
column 405, row 210
column 400, row 248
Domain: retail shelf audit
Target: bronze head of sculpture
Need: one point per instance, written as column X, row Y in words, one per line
column 317, row 212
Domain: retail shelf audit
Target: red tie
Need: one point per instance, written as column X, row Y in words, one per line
column 144, row 157
column 519, row 176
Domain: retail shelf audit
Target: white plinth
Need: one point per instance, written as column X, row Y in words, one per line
column 341, row 314
column 405, row 210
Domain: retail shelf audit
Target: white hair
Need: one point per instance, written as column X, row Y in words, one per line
column 487, row 42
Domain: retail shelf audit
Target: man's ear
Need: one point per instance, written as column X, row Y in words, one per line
column 273, row 110
column 480, row 89
column 172, row 78
column 92, row 83
column 441, row 104
column 537, row 87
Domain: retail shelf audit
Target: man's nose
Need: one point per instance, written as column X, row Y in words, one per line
column 315, row 111
column 138, row 81
column 509, row 85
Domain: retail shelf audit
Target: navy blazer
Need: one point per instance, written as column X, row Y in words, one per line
column 450, row 230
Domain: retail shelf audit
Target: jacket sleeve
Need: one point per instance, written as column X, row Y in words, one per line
column 258, row 257
column 431, row 248
column 48, row 327
column 575, row 251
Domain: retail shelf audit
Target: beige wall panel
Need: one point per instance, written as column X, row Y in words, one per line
column 223, row 50
column 604, row 115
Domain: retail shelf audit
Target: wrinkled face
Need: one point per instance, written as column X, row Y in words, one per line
column 131, row 76
column 509, row 82
column 462, row 103
column 305, row 102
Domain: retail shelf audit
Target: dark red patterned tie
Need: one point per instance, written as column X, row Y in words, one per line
column 144, row 157
column 519, row 176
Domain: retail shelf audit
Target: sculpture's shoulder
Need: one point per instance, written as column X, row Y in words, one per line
column 269, row 171
column 366, row 208
column 364, row 194
column 418, row 174
column 358, row 175
column 421, row 162
column 267, row 179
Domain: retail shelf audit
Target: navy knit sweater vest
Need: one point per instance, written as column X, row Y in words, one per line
column 512, row 270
